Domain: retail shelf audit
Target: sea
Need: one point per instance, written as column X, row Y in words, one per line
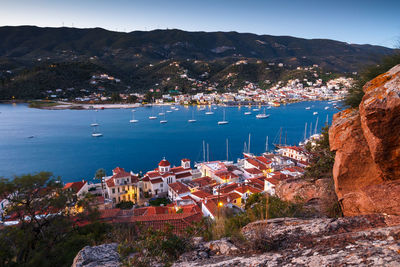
column 61, row 142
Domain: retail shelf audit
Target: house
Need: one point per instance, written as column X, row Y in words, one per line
column 177, row 190
column 156, row 183
column 79, row 189
column 122, row 186
column 294, row 152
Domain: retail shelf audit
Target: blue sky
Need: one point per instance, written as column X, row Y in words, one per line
column 353, row 21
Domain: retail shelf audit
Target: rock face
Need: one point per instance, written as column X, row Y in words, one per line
column 103, row 255
column 319, row 196
column 367, row 145
column 372, row 240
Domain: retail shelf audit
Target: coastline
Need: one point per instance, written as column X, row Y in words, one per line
column 61, row 105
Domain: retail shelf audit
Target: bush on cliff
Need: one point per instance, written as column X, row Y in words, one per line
column 322, row 158
column 356, row 93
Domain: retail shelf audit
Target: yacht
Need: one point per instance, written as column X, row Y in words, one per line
column 315, row 113
column 247, row 113
column 326, row 107
column 192, row 119
column 95, row 133
column 133, row 117
column 209, row 112
column 262, row 115
column 169, row 111
column 224, row 121
column 152, row 118
column 164, row 120
column 308, row 108
column 256, row 109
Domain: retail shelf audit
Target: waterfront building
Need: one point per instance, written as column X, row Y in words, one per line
column 122, row 186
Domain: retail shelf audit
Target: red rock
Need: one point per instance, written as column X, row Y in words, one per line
column 367, row 145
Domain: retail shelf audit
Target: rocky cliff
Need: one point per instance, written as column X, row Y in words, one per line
column 367, row 145
column 318, row 196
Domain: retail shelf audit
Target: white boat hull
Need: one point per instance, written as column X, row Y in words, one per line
column 97, row 134
column 223, row 122
column 133, row 121
column 152, row 118
column 163, row 121
column 191, row 121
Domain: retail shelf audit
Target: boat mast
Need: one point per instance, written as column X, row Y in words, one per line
column 305, row 132
column 285, row 137
column 266, row 144
column 327, row 119
column 249, row 143
column 316, row 126
column 245, row 148
column 310, row 129
column 208, row 153
column 280, row 136
column 204, row 151
column 227, row 149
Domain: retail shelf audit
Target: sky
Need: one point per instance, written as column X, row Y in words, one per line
column 354, row 21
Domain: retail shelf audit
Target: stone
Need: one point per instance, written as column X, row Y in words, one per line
column 104, row 255
column 367, row 144
column 222, row 247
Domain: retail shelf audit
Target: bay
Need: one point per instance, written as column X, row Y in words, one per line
column 62, row 141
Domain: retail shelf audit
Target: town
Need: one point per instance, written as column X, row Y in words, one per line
column 182, row 195
column 206, row 93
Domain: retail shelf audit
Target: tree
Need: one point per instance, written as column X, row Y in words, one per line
column 46, row 226
column 100, row 173
column 115, row 97
column 356, row 93
column 132, row 99
column 322, row 158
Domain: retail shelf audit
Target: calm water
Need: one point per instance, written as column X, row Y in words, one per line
column 63, row 143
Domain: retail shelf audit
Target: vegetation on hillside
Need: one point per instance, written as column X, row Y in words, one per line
column 356, row 93
column 46, row 229
column 321, row 158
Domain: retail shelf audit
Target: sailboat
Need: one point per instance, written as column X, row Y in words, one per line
column 248, row 112
column 192, row 119
column 209, row 112
column 162, row 112
column 315, row 113
column 262, row 115
column 308, row 108
column 94, row 124
column 164, row 120
column 223, row 120
column 133, row 117
column 95, row 133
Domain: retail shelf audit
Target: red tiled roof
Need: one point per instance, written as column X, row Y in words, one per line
column 204, row 181
column 256, row 164
column 179, row 188
column 253, row 171
column 76, row 186
column 244, row 188
column 185, row 160
column 183, row 175
column 164, row 163
column 201, row 194
column 146, row 179
column 177, row 169
column 118, row 170
column 263, row 160
column 153, row 174
column 272, row 181
column 156, row 181
column 234, row 195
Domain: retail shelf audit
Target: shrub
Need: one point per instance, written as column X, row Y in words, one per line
column 125, row 205
column 356, row 93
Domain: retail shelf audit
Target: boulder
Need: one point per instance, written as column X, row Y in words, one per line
column 104, row 255
column 222, row 247
column 367, row 144
column 318, row 196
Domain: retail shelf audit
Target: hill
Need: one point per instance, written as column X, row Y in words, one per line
column 161, row 58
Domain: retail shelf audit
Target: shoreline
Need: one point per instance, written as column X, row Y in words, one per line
column 60, row 105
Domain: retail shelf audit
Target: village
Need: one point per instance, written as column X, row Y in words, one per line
column 205, row 93
column 184, row 194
